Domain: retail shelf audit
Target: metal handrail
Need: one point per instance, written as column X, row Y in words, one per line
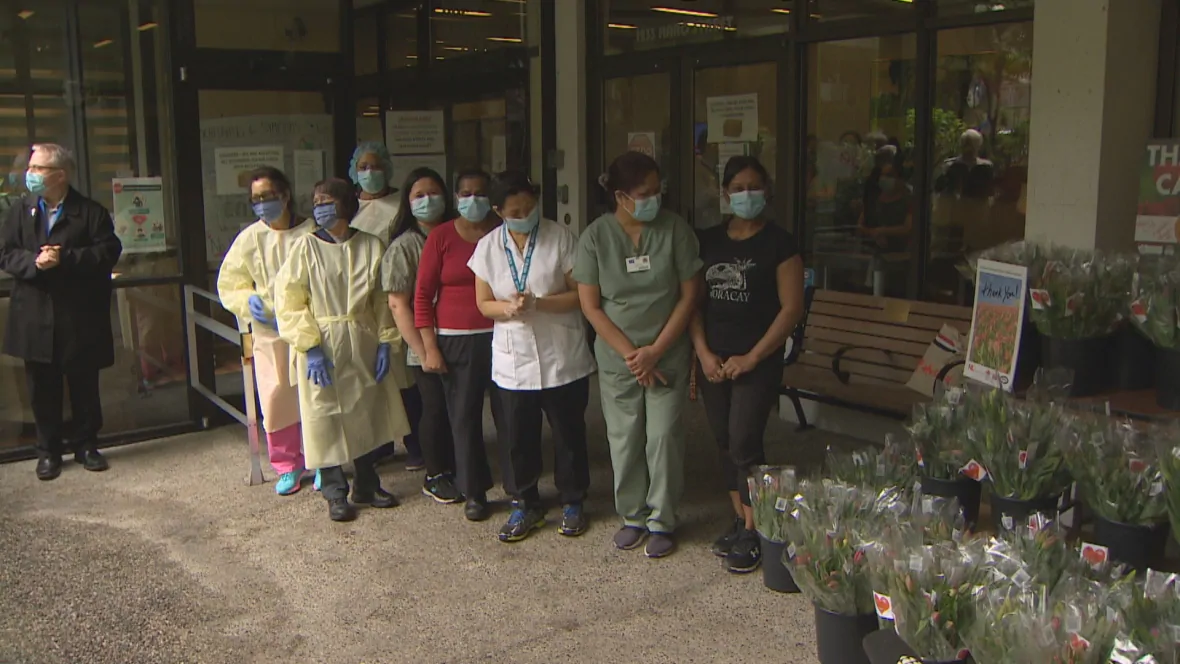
column 245, row 342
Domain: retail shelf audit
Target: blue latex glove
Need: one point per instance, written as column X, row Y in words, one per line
column 259, row 312
column 318, row 366
column 382, row 362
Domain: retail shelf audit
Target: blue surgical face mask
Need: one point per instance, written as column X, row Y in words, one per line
column 427, row 208
column 748, row 204
column 525, row 225
column 474, row 208
column 35, row 183
column 270, row 211
column 887, row 183
column 325, row 215
column 371, row 181
column 646, row 209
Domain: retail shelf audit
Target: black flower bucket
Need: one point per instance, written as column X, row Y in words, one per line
column 775, row 574
column 1167, row 378
column 1133, row 360
column 964, row 489
column 1088, row 359
column 1134, row 545
column 839, row 639
column 1019, row 510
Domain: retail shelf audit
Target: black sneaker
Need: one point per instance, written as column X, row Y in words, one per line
column 476, row 509
column 724, row 543
column 746, row 554
column 442, row 489
column 339, row 509
column 521, row 522
column 573, row 520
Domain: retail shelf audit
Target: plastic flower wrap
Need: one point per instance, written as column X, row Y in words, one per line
column 1083, row 620
column 937, row 431
column 937, row 518
column 1151, row 630
column 772, row 489
column 890, row 466
column 1168, row 452
column 826, row 557
column 1079, row 294
column 934, row 597
column 1036, row 550
column 1006, row 612
column 1017, row 444
column 1117, row 469
column 1155, row 292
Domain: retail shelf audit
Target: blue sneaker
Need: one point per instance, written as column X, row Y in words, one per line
column 573, row 520
column 289, row 483
column 316, row 485
column 521, row 522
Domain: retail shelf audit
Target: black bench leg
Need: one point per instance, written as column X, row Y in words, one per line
column 800, row 416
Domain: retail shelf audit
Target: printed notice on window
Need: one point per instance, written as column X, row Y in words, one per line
column 732, row 118
column 234, row 166
column 415, row 132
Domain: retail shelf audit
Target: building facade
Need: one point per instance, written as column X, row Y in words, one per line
column 166, row 102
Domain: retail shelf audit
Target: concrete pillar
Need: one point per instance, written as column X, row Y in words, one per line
column 1093, row 101
column 570, row 26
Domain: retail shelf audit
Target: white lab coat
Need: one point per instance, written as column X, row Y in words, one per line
column 329, row 295
column 376, row 216
column 538, row 350
column 249, row 268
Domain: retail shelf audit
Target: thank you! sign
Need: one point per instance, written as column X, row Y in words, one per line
column 1157, row 223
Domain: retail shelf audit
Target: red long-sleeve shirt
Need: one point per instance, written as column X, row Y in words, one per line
column 444, row 297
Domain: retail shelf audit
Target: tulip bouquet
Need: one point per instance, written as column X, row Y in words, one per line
column 935, row 597
column 937, row 518
column 1084, row 618
column 1016, row 442
column 890, row 466
column 772, row 489
column 1151, row 630
column 937, row 431
column 826, row 558
column 1079, row 294
column 1117, row 469
column 1168, row 453
column 1155, row 290
column 1036, row 551
column 1006, row 612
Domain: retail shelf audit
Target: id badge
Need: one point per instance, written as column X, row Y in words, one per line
column 638, row 264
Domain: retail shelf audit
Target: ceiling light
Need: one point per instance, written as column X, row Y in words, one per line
column 455, row 48
column 708, row 26
column 684, row 12
column 24, row 14
column 104, row 42
column 411, row 57
column 461, row 12
column 621, row 26
column 510, row 40
column 778, row 10
column 150, row 25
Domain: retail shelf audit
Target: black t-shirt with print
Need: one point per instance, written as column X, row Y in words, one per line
column 741, row 292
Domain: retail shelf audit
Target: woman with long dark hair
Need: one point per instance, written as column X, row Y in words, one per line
column 637, row 282
column 456, row 336
column 753, row 299
column 416, row 217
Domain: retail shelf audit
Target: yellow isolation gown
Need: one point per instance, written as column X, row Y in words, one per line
column 329, row 295
column 250, row 268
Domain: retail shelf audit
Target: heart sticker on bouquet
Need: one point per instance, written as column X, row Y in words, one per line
column 975, row 471
column 884, row 606
column 1095, row 555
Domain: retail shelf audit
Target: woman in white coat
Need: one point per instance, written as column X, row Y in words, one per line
column 245, row 285
column 540, row 359
column 332, row 311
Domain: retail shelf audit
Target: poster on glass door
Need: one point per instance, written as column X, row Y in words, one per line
column 139, row 214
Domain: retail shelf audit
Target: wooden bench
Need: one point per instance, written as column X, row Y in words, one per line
column 859, row 351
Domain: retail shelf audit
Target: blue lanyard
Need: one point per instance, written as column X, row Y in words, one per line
column 521, row 279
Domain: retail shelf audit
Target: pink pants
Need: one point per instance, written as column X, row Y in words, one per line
column 285, row 448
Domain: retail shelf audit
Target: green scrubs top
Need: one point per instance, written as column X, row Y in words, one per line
column 638, row 302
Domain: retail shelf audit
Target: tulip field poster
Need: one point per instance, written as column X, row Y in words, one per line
column 996, row 322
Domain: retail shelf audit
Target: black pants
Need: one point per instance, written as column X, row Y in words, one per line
column 412, row 401
column 737, row 411
column 434, row 428
column 333, row 483
column 46, row 394
column 467, row 380
column 565, row 408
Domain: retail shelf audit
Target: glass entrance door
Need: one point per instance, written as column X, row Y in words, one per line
column 637, row 115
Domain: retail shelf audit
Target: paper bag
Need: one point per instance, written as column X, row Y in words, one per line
column 946, row 348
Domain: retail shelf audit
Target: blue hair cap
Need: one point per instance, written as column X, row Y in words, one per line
column 371, row 147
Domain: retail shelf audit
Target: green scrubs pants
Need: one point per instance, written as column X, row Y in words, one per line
column 645, row 428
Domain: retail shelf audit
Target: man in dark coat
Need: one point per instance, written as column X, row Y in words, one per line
column 60, row 247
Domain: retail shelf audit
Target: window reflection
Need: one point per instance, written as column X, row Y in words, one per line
column 368, row 121
column 981, row 134
column 401, row 38
column 636, row 25
column 837, row 10
column 463, row 27
column 949, row 7
column 364, row 42
column 269, row 25
column 859, row 169
column 636, row 113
